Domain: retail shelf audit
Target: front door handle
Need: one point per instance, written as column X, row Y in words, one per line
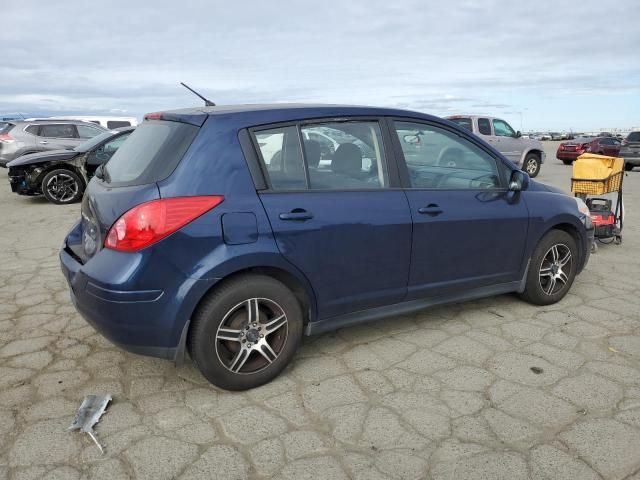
column 44, row 142
column 431, row 209
column 297, row 214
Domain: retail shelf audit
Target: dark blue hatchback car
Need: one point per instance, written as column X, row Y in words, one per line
column 229, row 232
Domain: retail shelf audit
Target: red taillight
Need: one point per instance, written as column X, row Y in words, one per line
column 5, row 137
column 562, row 146
column 150, row 222
column 153, row 116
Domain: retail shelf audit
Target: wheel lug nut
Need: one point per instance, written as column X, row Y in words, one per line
column 255, row 324
column 261, row 336
column 249, row 345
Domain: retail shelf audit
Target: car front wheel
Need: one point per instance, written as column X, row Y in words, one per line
column 552, row 269
column 246, row 332
column 62, row 186
column 532, row 164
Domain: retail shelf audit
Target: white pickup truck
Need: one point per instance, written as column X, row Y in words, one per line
column 526, row 153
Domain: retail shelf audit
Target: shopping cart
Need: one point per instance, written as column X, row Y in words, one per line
column 595, row 175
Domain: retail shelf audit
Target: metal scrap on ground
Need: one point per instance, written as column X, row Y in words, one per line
column 89, row 413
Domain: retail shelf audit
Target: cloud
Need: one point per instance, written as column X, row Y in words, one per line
column 434, row 56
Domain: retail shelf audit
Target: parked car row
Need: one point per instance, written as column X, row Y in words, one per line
column 628, row 148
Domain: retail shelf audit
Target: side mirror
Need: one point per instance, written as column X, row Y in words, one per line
column 100, row 172
column 519, row 181
column 518, row 134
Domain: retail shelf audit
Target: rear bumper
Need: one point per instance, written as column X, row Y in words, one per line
column 563, row 155
column 145, row 321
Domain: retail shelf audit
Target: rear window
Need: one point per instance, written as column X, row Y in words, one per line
column 463, row 122
column 634, row 137
column 150, row 154
column 111, row 124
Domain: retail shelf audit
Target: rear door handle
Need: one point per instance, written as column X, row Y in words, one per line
column 297, row 214
column 431, row 209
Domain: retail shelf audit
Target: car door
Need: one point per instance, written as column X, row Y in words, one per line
column 469, row 231
column 342, row 224
column 509, row 144
column 58, row 136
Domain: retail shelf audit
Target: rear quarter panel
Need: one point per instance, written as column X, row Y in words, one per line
column 215, row 165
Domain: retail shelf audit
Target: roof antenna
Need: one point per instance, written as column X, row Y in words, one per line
column 207, row 103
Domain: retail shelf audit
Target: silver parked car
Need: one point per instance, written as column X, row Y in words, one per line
column 527, row 153
column 19, row 137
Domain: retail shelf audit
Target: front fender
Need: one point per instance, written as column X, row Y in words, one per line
column 550, row 210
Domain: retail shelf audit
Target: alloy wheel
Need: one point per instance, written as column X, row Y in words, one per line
column 62, row 187
column 532, row 166
column 251, row 336
column 555, row 269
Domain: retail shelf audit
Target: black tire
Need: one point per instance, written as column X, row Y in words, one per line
column 567, row 162
column 62, row 186
column 538, row 289
column 531, row 164
column 224, row 312
column 628, row 167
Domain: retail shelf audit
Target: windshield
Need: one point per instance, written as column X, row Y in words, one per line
column 92, row 142
column 150, row 153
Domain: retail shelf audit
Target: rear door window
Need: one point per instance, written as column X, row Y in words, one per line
column 333, row 156
column 282, row 157
column 150, row 153
column 484, row 126
column 60, row 130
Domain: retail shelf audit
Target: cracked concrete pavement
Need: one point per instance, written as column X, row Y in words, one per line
column 446, row 393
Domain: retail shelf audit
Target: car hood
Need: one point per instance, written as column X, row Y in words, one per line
column 543, row 187
column 44, row 157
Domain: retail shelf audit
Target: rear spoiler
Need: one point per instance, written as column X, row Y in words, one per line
column 193, row 117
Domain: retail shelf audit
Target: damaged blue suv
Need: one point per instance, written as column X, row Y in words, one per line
column 229, row 232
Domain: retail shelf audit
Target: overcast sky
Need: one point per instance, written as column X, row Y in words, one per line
column 539, row 64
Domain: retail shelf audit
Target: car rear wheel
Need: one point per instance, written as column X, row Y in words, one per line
column 552, row 269
column 628, row 167
column 532, row 164
column 567, row 162
column 246, row 332
column 62, row 186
